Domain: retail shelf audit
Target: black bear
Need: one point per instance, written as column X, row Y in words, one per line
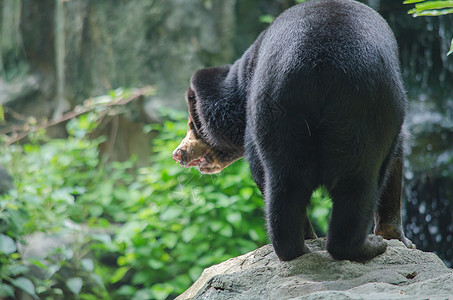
column 316, row 100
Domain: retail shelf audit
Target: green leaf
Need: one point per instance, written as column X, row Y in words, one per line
column 412, row 1
column 2, row 114
column 52, row 270
column 96, row 211
column 96, row 279
column 430, row 8
column 161, row 290
column 246, row 192
column 74, row 285
column 195, row 272
column 234, row 218
column 102, row 237
column 87, row 264
column 38, row 263
column 227, row 231
column 170, row 240
column 7, row 244
column 6, row 291
column 433, row 5
column 141, row 277
column 126, row 290
column 266, row 19
column 451, row 48
column 119, row 274
column 14, row 270
column 215, row 225
column 67, row 253
column 171, row 213
column 155, row 264
column 433, row 13
column 62, row 195
column 189, row 233
column 254, row 235
column 24, row 284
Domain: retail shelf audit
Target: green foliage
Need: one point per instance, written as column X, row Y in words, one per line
column 319, row 210
column 431, row 8
column 50, row 175
column 2, row 114
column 135, row 233
column 267, row 19
column 270, row 18
column 177, row 222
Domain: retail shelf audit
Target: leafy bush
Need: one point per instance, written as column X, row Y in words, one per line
column 49, row 179
column 136, row 233
column 178, row 222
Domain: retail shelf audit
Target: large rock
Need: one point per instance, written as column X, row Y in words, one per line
column 399, row 273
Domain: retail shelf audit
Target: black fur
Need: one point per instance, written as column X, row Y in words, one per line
column 317, row 100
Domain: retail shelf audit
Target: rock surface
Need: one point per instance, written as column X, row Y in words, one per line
column 399, row 273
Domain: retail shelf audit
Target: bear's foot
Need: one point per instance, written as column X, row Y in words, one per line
column 391, row 231
column 371, row 247
column 290, row 253
column 309, row 233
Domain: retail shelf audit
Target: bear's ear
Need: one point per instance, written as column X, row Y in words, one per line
column 193, row 117
column 208, row 84
column 207, row 87
column 190, row 96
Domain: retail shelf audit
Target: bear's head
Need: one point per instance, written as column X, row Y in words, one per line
column 208, row 144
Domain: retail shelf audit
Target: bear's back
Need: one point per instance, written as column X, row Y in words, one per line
column 329, row 35
column 333, row 64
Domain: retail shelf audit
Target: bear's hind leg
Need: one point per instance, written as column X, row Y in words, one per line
column 309, row 233
column 256, row 165
column 388, row 216
column 286, row 203
column 354, row 202
column 257, row 170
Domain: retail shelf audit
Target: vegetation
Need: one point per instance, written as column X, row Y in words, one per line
column 431, row 8
column 121, row 232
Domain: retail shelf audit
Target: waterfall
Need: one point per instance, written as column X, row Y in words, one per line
column 375, row 4
column 61, row 104
column 10, row 36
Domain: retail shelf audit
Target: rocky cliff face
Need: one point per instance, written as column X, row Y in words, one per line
column 399, row 273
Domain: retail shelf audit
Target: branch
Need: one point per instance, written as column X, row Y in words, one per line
column 77, row 111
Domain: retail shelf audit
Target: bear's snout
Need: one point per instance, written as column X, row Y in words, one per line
column 178, row 155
